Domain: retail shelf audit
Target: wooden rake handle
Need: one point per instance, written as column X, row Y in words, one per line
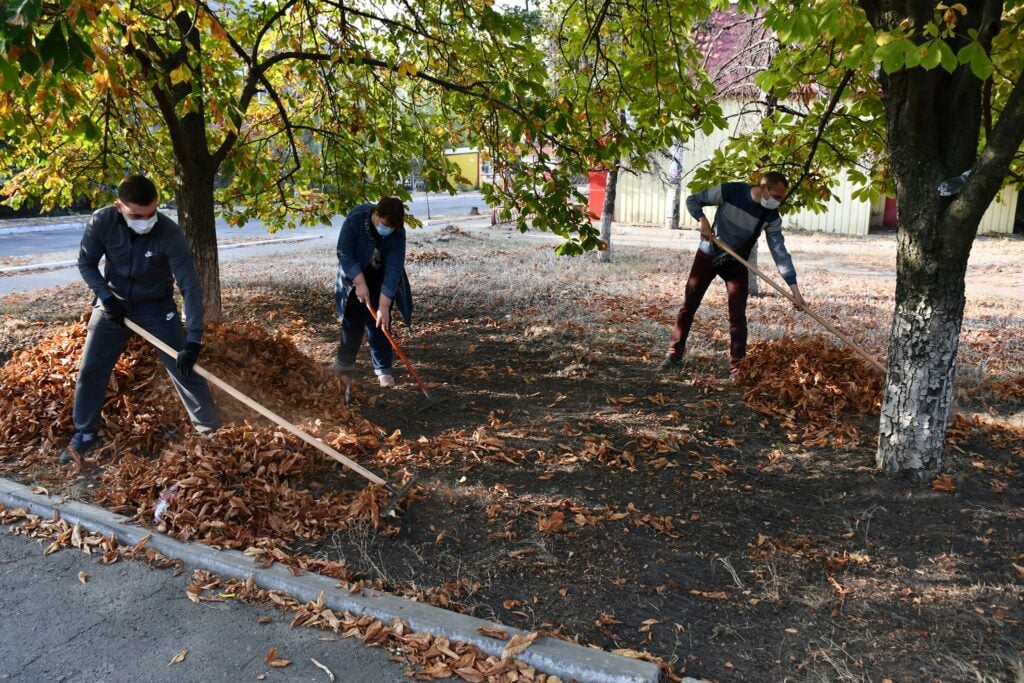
column 821, row 321
column 260, row 408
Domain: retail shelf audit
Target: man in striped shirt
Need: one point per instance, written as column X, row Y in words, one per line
column 743, row 211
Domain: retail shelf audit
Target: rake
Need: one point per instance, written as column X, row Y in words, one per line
column 821, row 321
column 397, row 491
column 394, row 345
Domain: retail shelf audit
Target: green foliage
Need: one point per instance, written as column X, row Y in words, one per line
column 826, row 113
column 305, row 108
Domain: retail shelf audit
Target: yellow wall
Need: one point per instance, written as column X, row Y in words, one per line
column 469, row 165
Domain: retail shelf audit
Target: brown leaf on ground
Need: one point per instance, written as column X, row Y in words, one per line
column 271, row 659
column 178, row 658
column 493, row 632
column 552, row 524
column 518, row 644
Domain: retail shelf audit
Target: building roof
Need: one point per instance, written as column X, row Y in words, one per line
column 736, row 46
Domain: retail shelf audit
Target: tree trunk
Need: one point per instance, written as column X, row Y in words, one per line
column 933, row 125
column 675, row 175
column 607, row 214
column 197, row 219
column 923, row 346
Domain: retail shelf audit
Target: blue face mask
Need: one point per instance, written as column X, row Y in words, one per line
column 384, row 230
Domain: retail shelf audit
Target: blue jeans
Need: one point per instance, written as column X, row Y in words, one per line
column 357, row 318
column 104, row 344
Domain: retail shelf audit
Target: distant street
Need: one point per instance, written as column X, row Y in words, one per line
column 61, row 243
column 63, row 239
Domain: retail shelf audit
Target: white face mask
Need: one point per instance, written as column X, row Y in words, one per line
column 769, row 202
column 141, row 225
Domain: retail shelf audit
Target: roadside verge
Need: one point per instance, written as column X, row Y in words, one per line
column 566, row 660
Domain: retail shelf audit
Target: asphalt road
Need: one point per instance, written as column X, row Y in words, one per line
column 128, row 621
column 64, row 239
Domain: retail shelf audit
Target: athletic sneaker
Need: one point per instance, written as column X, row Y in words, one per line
column 386, row 381
column 81, row 443
column 339, row 368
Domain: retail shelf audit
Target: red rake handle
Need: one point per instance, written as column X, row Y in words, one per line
column 401, row 355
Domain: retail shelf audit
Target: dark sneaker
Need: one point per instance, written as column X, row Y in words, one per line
column 339, row 368
column 81, row 443
column 670, row 363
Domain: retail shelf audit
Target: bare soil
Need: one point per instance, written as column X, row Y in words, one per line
column 567, row 486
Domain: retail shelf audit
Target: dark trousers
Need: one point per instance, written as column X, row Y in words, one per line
column 104, row 343
column 357, row 318
column 736, row 286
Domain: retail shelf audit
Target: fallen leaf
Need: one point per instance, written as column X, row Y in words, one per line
column 943, row 483
column 712, row 595
column 518, row 645
column 273, row 660
column 553, row 524
column 492, row 632
column 178, row 658
column 264, row 620
column 82, row 577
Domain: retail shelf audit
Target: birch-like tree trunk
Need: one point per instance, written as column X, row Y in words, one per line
column 608, row 214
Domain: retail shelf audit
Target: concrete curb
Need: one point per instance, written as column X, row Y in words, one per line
column 568, row 661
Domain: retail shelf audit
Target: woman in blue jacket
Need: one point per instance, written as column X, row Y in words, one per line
column 371, row 269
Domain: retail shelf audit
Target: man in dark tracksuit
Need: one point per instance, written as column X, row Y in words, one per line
column 743, row 211
column 145, row 254
column 371, row 269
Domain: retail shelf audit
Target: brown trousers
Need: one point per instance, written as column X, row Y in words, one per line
column 702, row 274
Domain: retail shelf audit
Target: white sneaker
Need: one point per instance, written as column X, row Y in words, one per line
column 386, row 381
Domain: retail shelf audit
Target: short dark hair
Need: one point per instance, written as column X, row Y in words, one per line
column 391, row 210
column 137, row 189
column 775, row 178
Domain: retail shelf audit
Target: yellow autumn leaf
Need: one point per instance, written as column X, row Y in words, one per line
column 180, row 75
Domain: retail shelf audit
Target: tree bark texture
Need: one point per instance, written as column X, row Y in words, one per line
column 197, row 219
column 196, row 212
column 607, row 214
column 922, row 349
column 933, row 121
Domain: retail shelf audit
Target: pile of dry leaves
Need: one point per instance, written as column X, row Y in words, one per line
column 811, row 388
column 246, row 484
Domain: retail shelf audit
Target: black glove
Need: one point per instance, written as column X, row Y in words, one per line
column 114, row 310
column 187, row 357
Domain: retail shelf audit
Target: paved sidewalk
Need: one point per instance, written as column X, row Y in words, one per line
column 112, row 615
column 127, row 621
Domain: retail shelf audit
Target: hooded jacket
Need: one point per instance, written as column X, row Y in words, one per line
column 141, row 269
column 355, row 252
